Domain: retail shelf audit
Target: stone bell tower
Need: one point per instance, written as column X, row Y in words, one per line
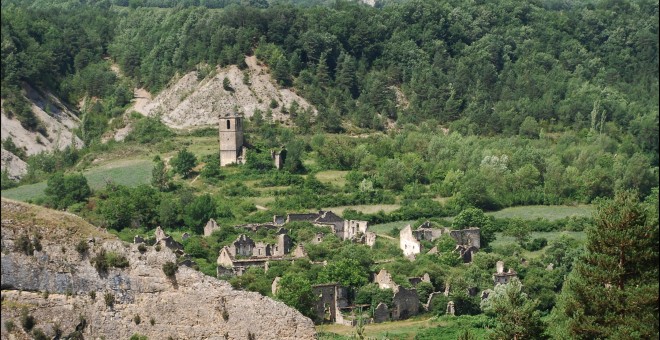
column 231, row 139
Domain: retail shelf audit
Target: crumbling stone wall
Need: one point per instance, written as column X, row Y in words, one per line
column 243, row 246
column 332, row 297
column 384, row 280
column 467, row 237
column 408, row 243
column 381, row 313
column 405, row 303
column 210, row 227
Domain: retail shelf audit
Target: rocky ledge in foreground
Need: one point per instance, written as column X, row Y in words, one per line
column 62, row 290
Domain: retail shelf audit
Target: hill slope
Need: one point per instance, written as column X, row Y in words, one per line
column 191, row 306
column 57, row 120
column 191, row 102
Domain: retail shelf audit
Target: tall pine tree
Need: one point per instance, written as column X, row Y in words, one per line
column 613, row 289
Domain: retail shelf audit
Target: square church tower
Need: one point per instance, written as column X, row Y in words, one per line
column 231, row 139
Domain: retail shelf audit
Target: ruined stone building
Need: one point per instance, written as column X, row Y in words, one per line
column 408, row 242
column 384, row 280
column 502, row 277
column 244, row 252
column 331, row 297
column 468, row 240
column 210, row 227
column 405, row 302
column 232, row 150
column 168, row 241
column 344, row 229
column 278, row 157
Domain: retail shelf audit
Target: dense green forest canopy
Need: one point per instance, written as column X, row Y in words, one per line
column 484, row 67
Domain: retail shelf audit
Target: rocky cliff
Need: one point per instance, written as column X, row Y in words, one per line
column 53, row 285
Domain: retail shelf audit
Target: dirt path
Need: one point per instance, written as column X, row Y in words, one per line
column 260, row 207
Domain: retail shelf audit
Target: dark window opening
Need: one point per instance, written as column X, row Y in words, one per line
column 228, row 124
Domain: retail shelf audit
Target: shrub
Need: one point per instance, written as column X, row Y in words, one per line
column 92, row 295
column 57, row 329
column 137, row 336
column 45, row 294
column 157, row 247
column 170, row 269
column 23, row 245
column 38, row 334
column 109, row 299
column 536, row 244
column 9, row 326
column 142, row 248
column 27, row 320
column 104, row 260
column 152, row 321
column 82, row 247
column 137, row 319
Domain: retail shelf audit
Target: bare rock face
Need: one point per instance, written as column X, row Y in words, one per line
column 57, row 120
column 189, row 305
column 192, row 103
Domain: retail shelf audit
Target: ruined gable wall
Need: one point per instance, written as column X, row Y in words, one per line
column 408, row 243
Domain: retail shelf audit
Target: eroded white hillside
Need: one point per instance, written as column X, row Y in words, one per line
column 191, row 103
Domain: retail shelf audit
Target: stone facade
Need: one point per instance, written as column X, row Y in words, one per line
column 405, row 303
column 466, row 253
column 332, row 297
column 344, row 229
column 384, row 280
column 470, row 237
column 243, row 246
column 408, row 242
column 210, row 227
column 381, row 313
column 278, row 157
column 231, row 139
column 468, row 240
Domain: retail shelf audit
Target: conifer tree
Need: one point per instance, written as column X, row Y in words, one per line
column 612, row 291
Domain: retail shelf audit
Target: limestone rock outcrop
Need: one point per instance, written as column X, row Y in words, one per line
column 54, row 284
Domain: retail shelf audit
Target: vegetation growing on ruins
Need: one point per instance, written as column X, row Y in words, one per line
column 443, row 110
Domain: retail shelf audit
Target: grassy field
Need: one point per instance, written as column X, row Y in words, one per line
column 126, row 172
column 367, row 209
column 334, row 177
column 386, row 227
column 548, row 212
column 421, row 326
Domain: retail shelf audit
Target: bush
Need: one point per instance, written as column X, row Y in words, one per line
column 92, row 295
column 149, row 130
column 142, row 248
column 82, row 247
column 104, row 260
column 137, row 319
column 536, row 244
column 38, row 334
column 23, row 245
column 109, row 299
column 152, row 321
column 170, row 269
column 63, row 191
column 137, row 336
column 27, row 320
column 9, row 326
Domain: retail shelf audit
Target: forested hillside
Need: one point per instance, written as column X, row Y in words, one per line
column 438, row 110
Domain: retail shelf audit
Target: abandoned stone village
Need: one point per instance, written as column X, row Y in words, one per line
column 332, row 305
